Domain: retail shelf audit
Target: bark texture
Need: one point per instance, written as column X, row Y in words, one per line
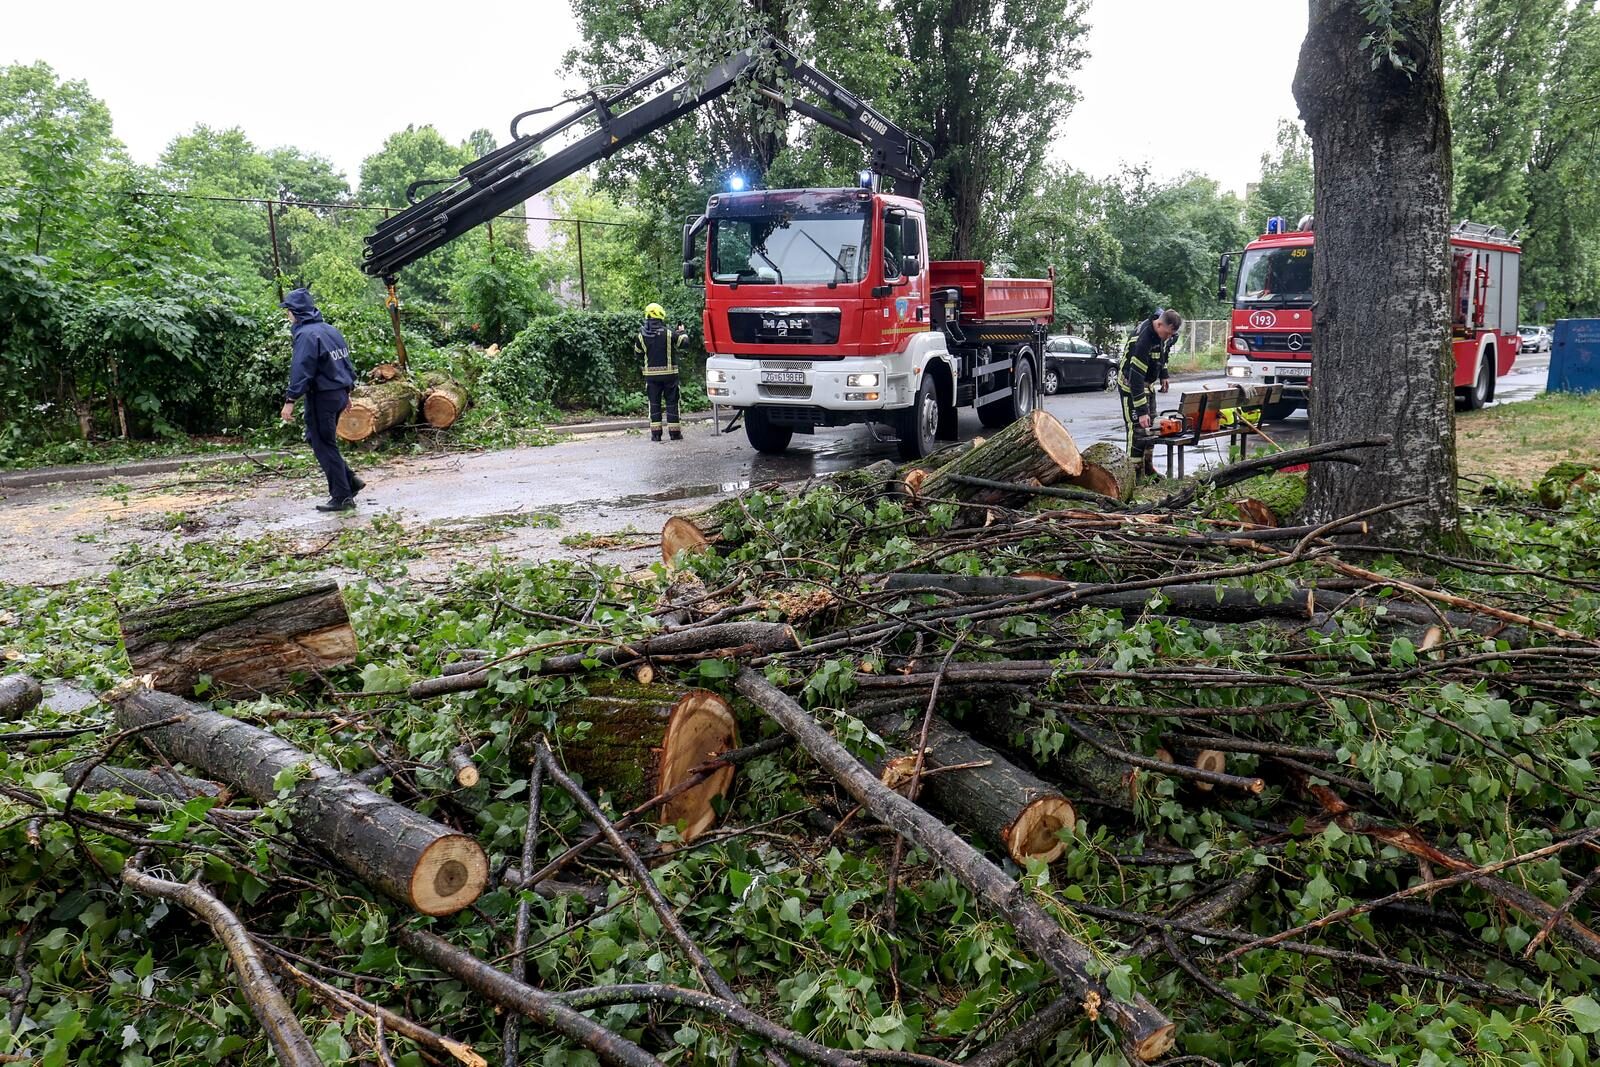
column 1382, row 359
column 641, row 740
column 19, row 694
column 404, row 855
column 375, row 408
column 248, row 641
column 1107, row 470
column 1033, row 451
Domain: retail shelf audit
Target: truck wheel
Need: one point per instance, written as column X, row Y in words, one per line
column 1022, row 399
column 1279, row 410
column 1482, row 386
column 918, row 426
column 763, row 435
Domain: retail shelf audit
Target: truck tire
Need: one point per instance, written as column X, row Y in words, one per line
column 1022, row 399
column 763, row 435
column 1475, row 396
column 1279, row 410
column 918, row 425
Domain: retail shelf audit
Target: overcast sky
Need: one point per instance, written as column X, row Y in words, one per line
column 1179, row 84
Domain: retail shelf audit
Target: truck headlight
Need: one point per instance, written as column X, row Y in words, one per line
column 1240, row 344
column 716, row 377
column 861, row 381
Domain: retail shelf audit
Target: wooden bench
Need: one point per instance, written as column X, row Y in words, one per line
column 1204, row 408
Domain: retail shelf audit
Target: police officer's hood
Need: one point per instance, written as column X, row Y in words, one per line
column 299, row 304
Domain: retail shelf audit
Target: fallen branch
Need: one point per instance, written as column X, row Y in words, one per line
column 1149, row 1033
column 289, row 1041
column 19, row 694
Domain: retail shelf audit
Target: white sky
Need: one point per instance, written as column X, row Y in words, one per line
column 1184, row 85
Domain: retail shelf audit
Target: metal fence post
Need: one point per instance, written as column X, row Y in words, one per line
column 583, row 288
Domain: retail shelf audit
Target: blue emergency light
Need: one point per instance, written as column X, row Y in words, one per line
column 736, row 183
column 864, row 179
column 1275, row 224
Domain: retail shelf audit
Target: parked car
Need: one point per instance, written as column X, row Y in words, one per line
column 1073, row 363
column 1534, row 338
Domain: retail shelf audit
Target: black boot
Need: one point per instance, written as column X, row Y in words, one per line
column 676, row 435
column 655, row 435
column 356, row 485
column 341, row 504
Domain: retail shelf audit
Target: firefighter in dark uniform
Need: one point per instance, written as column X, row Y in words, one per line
column 1160, row 374
column 659, row 348
column 1143, row 364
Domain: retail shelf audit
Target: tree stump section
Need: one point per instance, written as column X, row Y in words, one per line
column 1033, row 451
column 248, row 641
column 1008, row 805
column 698, row 531
column 384, row 372
column 444, row 400
column 1272, row 500
column 19, row 694
column 644, row 739
column 391, row 848
column 377, row 407
column 1107, row 470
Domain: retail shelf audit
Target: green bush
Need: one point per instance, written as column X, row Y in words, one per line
column 583, row 360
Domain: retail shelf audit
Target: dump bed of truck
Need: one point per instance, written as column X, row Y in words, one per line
column 989, row 299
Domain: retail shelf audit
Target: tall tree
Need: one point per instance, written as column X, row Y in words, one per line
column 1285, row 186
column 988, row 81
column 1370, row 86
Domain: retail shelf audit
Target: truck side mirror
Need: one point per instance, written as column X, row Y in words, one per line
column 691, row 271
column 1222, row 278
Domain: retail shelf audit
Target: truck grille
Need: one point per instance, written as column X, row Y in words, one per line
column 787, row 392
column 1292, row 345
column 795, row 326
column 787, row 364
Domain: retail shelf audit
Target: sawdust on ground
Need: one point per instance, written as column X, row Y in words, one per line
column 1519, row 442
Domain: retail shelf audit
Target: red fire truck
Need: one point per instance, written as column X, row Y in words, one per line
column 1269, row 340
column 822, row 308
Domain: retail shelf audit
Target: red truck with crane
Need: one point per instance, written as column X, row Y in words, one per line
column 1269, row 336
column 822, row 306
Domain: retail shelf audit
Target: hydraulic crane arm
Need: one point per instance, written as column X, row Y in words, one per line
column 507, row 176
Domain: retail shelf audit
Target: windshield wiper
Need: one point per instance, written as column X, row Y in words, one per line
column 762, row 252
column 835, row 260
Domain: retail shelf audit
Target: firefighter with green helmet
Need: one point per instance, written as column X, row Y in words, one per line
column 659, row 347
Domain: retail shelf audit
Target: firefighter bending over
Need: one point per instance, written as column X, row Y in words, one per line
column 1141, row 364
column 659, row 347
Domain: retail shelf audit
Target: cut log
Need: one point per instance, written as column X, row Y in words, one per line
column 1269, row 500
column 698, row 531
column 444, row 400
column 1011, row 807
column 1107, row 470
column 461, row 766
column 377, row 407
column 1148, row 1033
column 1256, row 512
column 249, row 641
column 384, row 372
column 1036, row 450
column 638, row 741
column 1559, row 481
column 19, row 694
column 139, row 782
column 391, row 848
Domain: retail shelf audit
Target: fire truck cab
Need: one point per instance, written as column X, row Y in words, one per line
column 1269, row 340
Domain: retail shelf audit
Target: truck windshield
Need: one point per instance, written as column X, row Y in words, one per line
column 791, row 248
column 1275, row 277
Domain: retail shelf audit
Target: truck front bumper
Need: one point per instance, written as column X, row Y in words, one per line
column 1294, row 377
column 851, row 387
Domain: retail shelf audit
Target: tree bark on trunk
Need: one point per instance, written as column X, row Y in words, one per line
column 19, row 694
column 1382, row 358
column 375, row 408
column 388, row 846
column 1032, row 451
column 444, row 400
column 249, row 641
column 644, row 739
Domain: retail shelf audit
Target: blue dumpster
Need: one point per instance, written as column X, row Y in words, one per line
column 1575, row 357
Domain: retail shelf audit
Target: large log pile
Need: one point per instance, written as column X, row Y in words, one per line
column 246, row 641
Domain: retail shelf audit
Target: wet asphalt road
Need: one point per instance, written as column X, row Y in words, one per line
column 481, row 501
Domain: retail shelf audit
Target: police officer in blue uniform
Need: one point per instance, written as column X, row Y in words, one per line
column 321, row 373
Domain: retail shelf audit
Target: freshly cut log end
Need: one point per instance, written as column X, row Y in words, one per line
column 1209, row 759
column 443, row 403
column 248, row 641
column 1033, row 451
column 19, row 694
column 384, row 372
column 1036, row 835
column 681, row 535
column 449, row 875
column 462, row 768
column 702, row 727
column 1255, row 512
column 1156, row 1044
column 374, row 408
column 1107, row 470
column 642, row 740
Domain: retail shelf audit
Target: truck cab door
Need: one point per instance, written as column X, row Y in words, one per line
column 905, row 274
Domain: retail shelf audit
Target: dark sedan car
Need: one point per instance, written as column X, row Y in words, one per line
column 1073, row 363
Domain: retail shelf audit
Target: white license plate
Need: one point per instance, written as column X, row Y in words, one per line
column 783, row 377
column 1294, row 372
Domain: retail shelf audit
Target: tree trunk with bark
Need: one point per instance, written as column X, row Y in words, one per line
column 248, row 641
column 19, row 694
column 444, row 400
column 377, row 407
column 641, row 740
column 1009, row 806
column 391, row 848
column 1033, row 451
column 1382, row 358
